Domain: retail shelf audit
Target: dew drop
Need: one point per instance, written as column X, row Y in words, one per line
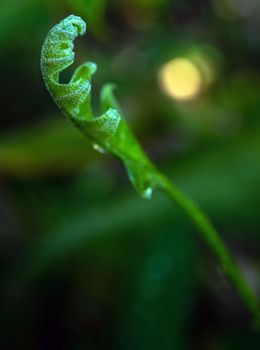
column 98, row 148
column 147, row 193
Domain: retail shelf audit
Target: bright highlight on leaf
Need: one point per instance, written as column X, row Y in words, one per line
column 180, row 79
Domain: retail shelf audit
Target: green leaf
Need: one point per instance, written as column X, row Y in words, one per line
column 46, row 148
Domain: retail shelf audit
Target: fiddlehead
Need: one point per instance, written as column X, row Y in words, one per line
column 109, row 131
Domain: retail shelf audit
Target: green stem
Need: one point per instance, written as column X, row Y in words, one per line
column 211, row 237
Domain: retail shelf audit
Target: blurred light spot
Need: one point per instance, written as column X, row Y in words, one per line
column 180, row 79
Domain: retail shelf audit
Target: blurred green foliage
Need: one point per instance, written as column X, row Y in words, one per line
column 85, row 263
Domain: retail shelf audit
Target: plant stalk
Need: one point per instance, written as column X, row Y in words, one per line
column 212, row 239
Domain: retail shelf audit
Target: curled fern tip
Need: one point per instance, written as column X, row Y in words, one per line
column 109, row 131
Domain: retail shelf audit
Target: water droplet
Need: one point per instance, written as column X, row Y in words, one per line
column 98, row 148
column 147, row 193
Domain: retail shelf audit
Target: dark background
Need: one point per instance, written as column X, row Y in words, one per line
column 85, row 263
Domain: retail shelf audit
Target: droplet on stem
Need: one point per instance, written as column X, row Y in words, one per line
column 98, row 148
column 147, row 193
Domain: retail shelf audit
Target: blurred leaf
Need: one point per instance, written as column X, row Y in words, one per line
column 159, row 298
column 50, row 147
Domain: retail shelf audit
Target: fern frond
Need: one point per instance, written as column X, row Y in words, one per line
column 110, row 132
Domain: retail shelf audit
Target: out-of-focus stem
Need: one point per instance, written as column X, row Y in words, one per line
column 213, row 240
